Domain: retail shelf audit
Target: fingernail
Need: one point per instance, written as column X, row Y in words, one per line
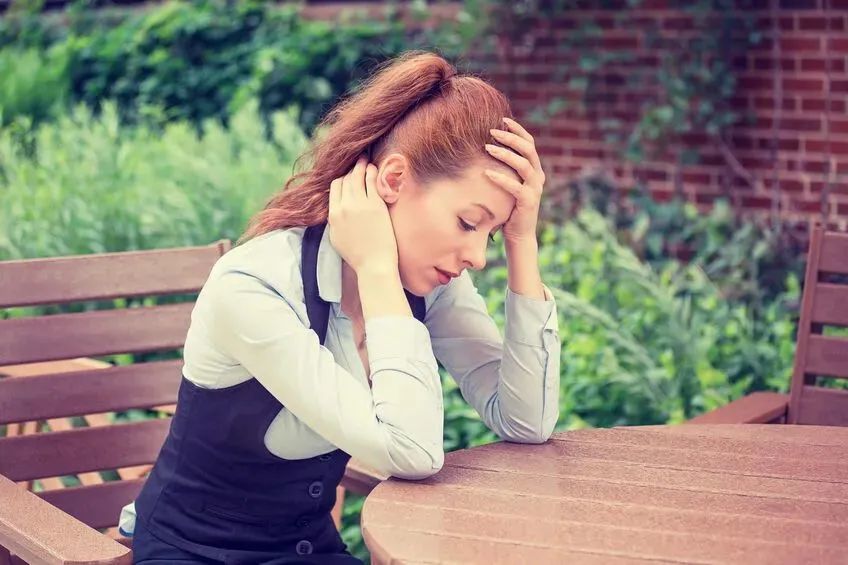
column 495, row 131
column 506, row 120
column 491, row 148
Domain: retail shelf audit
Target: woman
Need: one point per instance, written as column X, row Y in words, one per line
column 308, row 346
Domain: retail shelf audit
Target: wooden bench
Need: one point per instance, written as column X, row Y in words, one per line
column 57, row 401
column 824, row 304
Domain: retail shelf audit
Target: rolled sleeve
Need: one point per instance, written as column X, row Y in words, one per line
column 528, row 319
column 407, row 391
column 513, row 383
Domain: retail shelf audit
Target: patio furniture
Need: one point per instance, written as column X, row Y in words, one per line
column 56, row 402
column 824, row 304
column 743, row 494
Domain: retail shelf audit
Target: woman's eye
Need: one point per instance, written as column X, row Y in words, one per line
column 466, row 226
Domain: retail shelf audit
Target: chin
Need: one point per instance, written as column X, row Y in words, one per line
column 417, row 287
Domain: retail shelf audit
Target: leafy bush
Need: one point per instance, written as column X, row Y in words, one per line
column 94, row 187
column 205, row 59
column 35, row 83
column 644, row 345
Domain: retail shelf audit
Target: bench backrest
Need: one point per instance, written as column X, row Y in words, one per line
column 91, row 332
column 822, row 346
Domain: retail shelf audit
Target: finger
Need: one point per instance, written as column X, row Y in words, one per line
column 354, row 178
column 520, row 164
column 505, row 182
column 517, row 128
column 521, row 145
column 371, row 181
column 335, row 195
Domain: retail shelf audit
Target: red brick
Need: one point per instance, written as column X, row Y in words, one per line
column 587, row 153
column 696, row 177
column 808, row 84
column 768, row 104
column 783, row 144
column 807, row 206
column 839, row 85
column 800, row 44
column 611, row 42
column 767, row 64
column 837, row 147
column 837, row 44
column 813, row 23
column 800, row 124
column 756, row 201
column 678, row 24
column 836, row 126
column 819, row 105
column 799, row 4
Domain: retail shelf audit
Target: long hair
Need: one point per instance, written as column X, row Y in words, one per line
column 416, row 104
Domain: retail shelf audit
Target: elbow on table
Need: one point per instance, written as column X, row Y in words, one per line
column 529, row 434
column 424, row 464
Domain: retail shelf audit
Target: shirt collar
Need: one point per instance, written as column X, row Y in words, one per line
column 329, row 270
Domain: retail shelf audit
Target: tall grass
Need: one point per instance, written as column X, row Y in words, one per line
column 83, row 184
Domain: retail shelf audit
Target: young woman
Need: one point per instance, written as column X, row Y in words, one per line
column 309, row 345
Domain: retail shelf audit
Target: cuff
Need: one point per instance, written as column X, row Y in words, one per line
column 527, row 319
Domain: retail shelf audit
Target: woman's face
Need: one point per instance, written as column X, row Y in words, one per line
column 442, row 228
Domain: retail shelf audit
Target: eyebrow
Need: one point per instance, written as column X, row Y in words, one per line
column 491, row 214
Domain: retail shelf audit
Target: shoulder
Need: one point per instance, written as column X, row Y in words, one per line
column 268, row 264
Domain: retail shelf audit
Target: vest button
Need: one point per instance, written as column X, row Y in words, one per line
column 302, row 522
column 325, row 457
column 303, row 547
column 315, row 489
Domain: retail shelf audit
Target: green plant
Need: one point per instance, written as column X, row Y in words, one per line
column 35, row 83
column 93, row 186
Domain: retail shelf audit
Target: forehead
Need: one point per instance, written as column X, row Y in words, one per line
column 473, row 186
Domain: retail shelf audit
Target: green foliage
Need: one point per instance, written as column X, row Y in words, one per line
column 94, row 187
column 206, row 59
column 35, row 83
column 648, row 345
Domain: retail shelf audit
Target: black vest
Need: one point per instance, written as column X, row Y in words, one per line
column 217, row 491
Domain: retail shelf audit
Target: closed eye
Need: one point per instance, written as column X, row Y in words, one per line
column 468, row 227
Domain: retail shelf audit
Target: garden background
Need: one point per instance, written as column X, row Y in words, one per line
column 676, row 257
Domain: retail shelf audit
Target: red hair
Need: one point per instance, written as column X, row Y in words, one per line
column 416, row 104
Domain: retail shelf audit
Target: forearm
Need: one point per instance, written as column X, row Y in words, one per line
column 381, row 293
column 523, row 268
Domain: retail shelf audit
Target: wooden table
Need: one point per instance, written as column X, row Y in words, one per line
column 683, row 494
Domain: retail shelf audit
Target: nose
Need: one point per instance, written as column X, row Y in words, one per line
column 474, row 255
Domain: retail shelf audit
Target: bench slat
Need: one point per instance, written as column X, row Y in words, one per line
column 91, row 334
column 93, row 391
column 81, row 450
column 834, row 253
column 107, row 275
column 99, row 506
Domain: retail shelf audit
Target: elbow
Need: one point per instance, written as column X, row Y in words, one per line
column 524, row 433
column 418, row 465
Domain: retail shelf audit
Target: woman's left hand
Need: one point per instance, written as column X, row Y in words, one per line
column 528, row 195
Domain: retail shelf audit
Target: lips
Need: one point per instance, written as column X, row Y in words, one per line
column 445, row 276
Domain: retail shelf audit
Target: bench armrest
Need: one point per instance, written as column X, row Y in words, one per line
column 755, row 408
column 38, row 532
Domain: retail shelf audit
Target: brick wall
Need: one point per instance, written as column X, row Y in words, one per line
column 793, row 158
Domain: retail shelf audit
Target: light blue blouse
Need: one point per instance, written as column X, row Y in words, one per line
column 250, row 321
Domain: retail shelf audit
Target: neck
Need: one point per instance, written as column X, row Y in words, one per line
column 350, row 303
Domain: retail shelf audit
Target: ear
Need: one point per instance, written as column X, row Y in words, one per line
column 392, row 177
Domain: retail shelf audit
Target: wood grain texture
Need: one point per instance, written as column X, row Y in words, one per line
column 707, row 493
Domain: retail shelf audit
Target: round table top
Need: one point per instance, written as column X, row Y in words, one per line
column 693, row 493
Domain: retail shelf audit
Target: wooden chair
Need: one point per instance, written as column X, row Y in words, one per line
column 824, row 303
column 57, row 403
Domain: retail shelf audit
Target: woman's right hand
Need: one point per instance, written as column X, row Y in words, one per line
column 359, row 223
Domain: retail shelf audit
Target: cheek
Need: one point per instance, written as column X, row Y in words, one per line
column 423, row 232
